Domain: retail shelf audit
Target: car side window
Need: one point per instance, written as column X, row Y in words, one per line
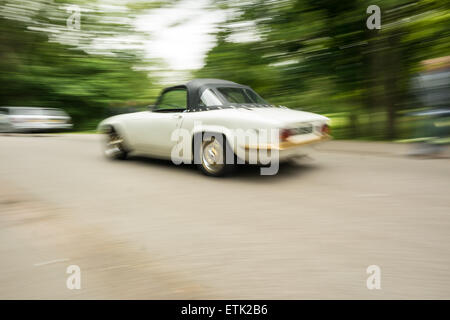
column 209, row 98
column 173, row 101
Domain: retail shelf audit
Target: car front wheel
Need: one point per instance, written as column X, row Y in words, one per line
column 113, row 145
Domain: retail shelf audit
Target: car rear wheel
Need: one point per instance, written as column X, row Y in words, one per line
column 213, row 156
column 114, row 145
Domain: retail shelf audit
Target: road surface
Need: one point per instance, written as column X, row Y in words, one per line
column 147, row 229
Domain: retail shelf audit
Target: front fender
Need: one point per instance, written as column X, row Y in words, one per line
column 106, row 125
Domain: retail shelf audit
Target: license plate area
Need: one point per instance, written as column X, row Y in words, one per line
column 303, row 129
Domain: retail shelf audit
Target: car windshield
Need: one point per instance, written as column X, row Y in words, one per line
column 241, row 95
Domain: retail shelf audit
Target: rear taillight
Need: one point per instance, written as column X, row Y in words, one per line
column 326, row 129
column 285, row 134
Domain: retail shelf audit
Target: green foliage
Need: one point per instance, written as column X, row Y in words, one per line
column 315, row 55
column 318, row 55
column 39, row 72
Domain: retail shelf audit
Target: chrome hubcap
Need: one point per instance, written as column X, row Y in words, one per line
column 212, row 155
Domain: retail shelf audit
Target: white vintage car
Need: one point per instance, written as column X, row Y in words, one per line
column 215, row 124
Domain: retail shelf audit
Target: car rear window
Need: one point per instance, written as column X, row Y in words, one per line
column 240, row 95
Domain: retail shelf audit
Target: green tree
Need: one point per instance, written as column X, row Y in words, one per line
column 319, row 55
column 43, row 63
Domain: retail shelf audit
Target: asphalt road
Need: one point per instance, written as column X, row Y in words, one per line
column 147, row 229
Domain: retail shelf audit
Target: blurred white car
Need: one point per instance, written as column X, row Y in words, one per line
column 33, row 119
column 216, row 114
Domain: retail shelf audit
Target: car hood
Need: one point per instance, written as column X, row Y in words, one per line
column 281, row 115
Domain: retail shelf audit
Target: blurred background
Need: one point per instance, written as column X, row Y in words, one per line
column 148, row 229
column 316, row 55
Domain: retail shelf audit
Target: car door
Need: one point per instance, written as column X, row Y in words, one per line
column 156, row 126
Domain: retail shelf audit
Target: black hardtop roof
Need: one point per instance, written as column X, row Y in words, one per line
column 198, row 83
column 196, row 87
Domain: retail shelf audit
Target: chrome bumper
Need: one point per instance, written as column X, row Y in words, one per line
column 287, row 145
